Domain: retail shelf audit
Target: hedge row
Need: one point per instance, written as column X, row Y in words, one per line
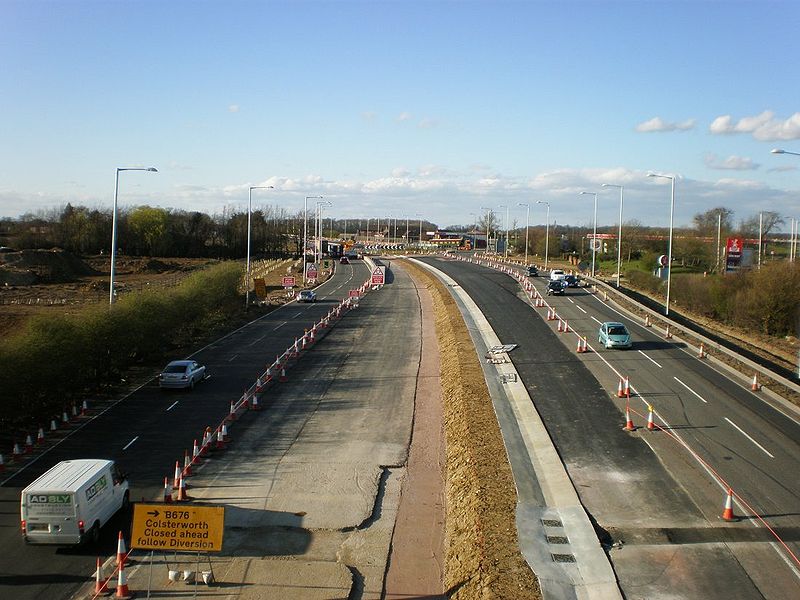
column 58, row 359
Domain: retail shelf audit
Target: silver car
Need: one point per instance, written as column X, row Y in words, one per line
column 181, row 374
column 307, row 296
column 614, row 335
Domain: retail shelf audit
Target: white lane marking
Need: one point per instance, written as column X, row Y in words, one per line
column 173, row 405
column 297, row 315
column 232, row 358
column 650, row 359
column 690, row 389
column 578, row 306
column 597, row 321
column 131, row 443
column 254, row 342
column 744, row 433
column 279, row 325
column 571, row 300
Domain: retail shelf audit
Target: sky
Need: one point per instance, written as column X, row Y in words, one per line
column 404, row 109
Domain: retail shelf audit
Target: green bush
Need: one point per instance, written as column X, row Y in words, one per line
column 57, row 360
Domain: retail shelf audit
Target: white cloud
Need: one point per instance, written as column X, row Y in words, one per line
column 428, row 123
column 404, row 116
column 234, row 108
column 763, row 127
column 732, row 163
column 657, row 124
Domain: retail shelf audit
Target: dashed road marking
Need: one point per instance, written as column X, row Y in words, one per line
column 131, row 443
column 691, row 390
column 650, row 359
column 744, row 433
column 173, row 405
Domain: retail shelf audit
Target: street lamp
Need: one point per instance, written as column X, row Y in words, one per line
column 420, row 229
column 505, row 248
column 546, row 233
column 594, row 235
column 792, row 235
column 488, row 213
column 318, row 229
column 780, row 151
column 619, row 233
column 527, row 218
column 760, row 230
column 114, row 224
column 669, row 247
column 249, row 212
column 305, row 233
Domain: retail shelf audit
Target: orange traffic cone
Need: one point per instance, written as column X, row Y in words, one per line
column 220, row 440
column 560, row 325
column 232, row 412
column 167, row 491
column 259, row 385
column 99, row 580
column 122, row 584
column 629, row 426
column 40, row 437
column 580, row 346
column 620, row 392
column 28, row 444
column 283, row 378
column 182, row 497
column 121, row 551
column 187, row 464
column 668, row 333
column 255, row 405
column 702, row 353
column 566, row 327
column 755, row 386
column 195, row 453
column 2, row 464
column 16, row 452
column 84, row 408
column 176, row 482
column 224, row 432
column 647, row 321
column 626, row 388
column 727, row 514
column 650, row 425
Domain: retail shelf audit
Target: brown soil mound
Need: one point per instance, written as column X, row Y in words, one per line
column 42, row 266
column 483, row 556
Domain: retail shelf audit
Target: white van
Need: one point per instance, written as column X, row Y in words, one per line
column 69, row 503
column 557, row 275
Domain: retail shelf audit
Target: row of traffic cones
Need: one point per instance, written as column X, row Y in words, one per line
column 19, row 451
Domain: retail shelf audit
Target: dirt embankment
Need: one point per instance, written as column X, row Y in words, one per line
column 483, row 557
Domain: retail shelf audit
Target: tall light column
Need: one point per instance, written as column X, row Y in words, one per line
column 792, row 239
column 488, row 216
column 114, row 225
column 619, row 232
column 318, row 231
column 527, row 218
column 719, row 238
column 546, row 233
column 249, row 229
column 305, row 233
column 760, row 241
column 420, row 229
column 669, row 247
column 594, row 235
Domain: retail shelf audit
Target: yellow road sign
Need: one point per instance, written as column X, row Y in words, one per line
column 177, row 527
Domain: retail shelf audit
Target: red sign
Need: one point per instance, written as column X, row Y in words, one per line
column 288, row 282
column 353, row 294
column 378, row 276
column 311, row 273
column 734, row 246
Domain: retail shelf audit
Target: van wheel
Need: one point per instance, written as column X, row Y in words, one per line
column 94, row 534
column 191, row 384
column 126, row 501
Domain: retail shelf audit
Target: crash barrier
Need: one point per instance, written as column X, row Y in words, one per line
column 651, row 418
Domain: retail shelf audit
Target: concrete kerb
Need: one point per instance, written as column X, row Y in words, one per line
column 591, row 576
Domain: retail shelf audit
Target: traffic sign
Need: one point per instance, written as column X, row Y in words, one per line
column 311, row 271
column 177, row 527
column 288, row 282
column 354, row 294
column 378, row 275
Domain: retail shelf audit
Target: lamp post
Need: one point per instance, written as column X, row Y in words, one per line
column 619, row 232
column 719, row 238
column 408, row 241
column 114, row 224
column 527, row 218
column 488, row 216
column 318, row 229
column 249, row 212
column 505, row 248
column 546, row 233
column 792, row 236
column 594, row 234
column 420, row 229
column 305, row 233
column 669, row 247
column 760, row 230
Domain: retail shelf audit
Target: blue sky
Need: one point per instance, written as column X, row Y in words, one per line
column 390, row 109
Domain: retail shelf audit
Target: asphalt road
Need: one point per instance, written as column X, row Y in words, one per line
column 146, row 433
column 644, row 489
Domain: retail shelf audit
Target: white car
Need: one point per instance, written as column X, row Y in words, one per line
column 181, row 374
column 557, row 275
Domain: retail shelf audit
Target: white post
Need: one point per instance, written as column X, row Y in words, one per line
column 527, row 219
column 760, row 243
column 546, row 233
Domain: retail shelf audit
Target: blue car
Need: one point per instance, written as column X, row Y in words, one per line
column 614, row 335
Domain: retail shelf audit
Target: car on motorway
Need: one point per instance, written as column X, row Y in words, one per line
column 532, row 271
column 307, row 296
column 181, row 374
column 571, row 280
column 614, row 335
column 344, row 260
column 555, row 287
column 557, row 274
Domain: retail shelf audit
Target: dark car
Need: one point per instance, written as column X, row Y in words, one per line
column 307, row 296
column 571, row 280
column 532, row 271
column 344, row 260
column 555, row 288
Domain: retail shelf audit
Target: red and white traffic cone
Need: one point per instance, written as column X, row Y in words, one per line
column 255, row 405
column 313, row 333
column 176, row 481
column 246, row 400
column 579, row 350
column 224, row 430
column 702, row 353
column 629, row 426
column 304, row 344
column 647, row 322
column 74, row 411
column 64, row 416
column 259, row 385
column 626, row 388
column 620, row 391
column 206, row 441
column 195, row 453
column 2, row 464
column 755, row 386
column 566, row 326
column 84, row 408
column 283, row 378
column 122, row 584
column 99, row 580
column 560, row 325
column 40, row 437
column 182, row 496
column 220, row 440
column 585, row 344
column 28, row 444
column 16, row 452
column 232, row 412
column 53, row 424
column 668, row 333
column 727, row 513
column 187, row 464
column 650, row 424
column 121, row 551
column 167, row 491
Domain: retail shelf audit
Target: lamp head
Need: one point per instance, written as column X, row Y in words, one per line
column 778, row 151
column 152, row 169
